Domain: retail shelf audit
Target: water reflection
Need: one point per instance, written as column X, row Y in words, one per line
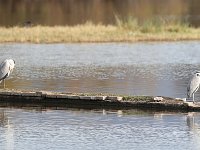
column 8, row 131
column 98, row 129
column 71, row 12
column 3, row 118
column 193, row 123
column 194, row 127
column 190, row 120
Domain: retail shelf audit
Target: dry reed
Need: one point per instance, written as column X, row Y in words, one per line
column 123, row 31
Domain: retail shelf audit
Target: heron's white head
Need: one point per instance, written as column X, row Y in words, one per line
column 11, row 64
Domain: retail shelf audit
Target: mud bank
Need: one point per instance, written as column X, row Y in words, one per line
column 16, row 98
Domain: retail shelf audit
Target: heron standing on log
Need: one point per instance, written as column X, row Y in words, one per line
column 6, row 67
column 193, row 85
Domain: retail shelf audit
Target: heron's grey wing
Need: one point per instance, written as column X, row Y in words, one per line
column 4, row 70
column 193, row 86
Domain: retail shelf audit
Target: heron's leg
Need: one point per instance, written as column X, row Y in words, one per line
column 4, row 83
column 193, row 97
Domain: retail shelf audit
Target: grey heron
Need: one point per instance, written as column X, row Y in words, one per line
column 193, row 85
column 6, row 67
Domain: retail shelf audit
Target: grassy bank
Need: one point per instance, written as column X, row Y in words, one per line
column 128, row 30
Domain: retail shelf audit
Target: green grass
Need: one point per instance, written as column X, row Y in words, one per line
column 138, row 98
column 153, row 25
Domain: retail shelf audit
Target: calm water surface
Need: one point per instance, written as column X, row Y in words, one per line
column 97, row 129
column 120, row 68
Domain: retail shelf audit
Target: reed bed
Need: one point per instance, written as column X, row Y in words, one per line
column 127, row 30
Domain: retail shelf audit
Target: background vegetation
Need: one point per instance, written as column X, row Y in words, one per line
column 125, row 30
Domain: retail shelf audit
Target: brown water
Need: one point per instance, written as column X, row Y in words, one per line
column 154, row 68
column 72, row 12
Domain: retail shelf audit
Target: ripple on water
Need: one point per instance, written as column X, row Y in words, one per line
column 81, row 129
column 145, row 68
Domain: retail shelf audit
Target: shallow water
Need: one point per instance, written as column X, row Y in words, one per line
column 22, row 129
column 123, row 68
column 145, row 68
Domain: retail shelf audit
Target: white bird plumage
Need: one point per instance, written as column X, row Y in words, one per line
column 193, row 85
column 6, row 67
